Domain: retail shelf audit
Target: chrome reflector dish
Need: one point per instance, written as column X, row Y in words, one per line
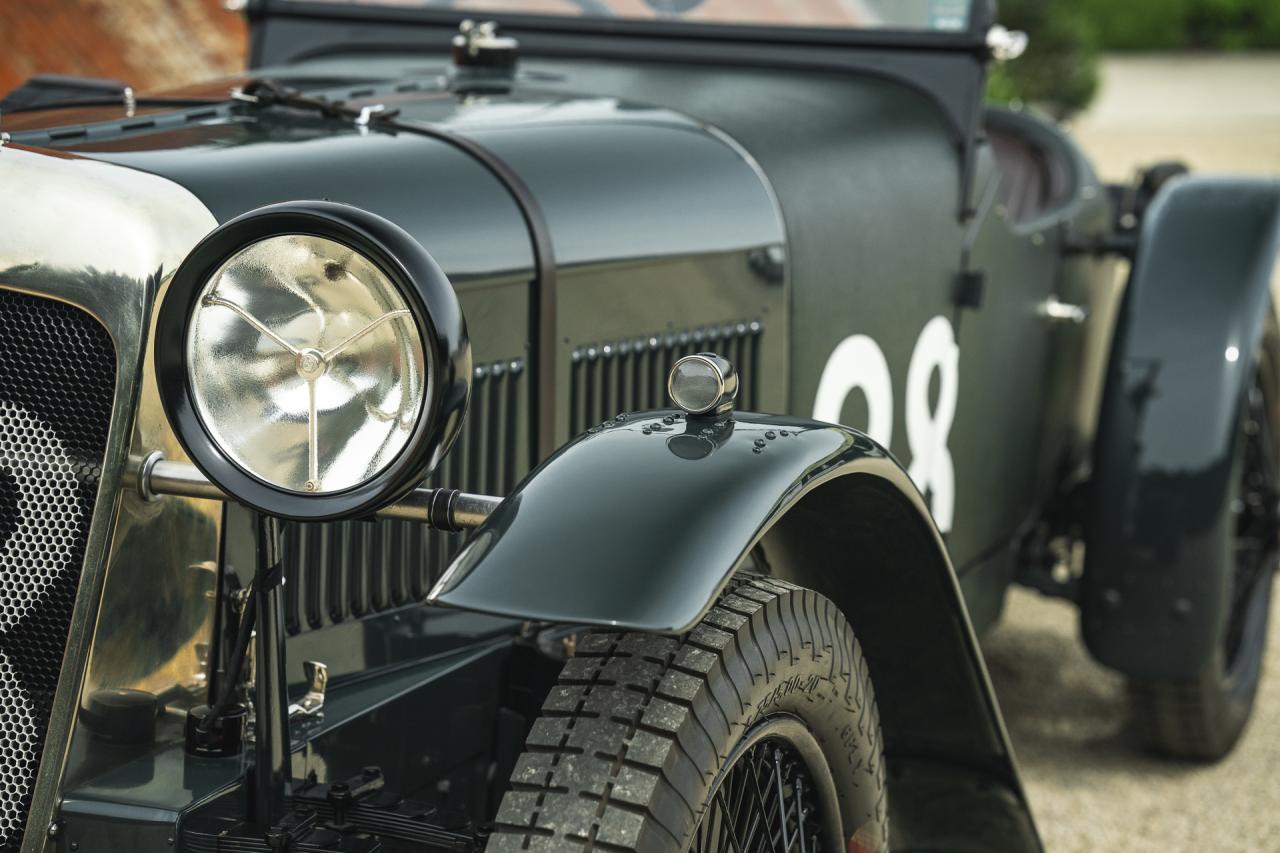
column 306, row 365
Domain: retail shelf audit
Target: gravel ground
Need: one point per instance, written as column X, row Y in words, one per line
column 1216, row 113
column 1090, row 788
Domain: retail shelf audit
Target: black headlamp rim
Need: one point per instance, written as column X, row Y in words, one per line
column 425, row 289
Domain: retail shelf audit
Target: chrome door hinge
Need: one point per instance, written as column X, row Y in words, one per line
column 1056, row 311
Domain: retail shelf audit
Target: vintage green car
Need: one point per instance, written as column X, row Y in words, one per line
column 428, row 439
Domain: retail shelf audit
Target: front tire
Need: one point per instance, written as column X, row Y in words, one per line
column 761, row 719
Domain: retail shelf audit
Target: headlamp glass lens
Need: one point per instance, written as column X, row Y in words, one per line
column 306, row 364
column 695, row 384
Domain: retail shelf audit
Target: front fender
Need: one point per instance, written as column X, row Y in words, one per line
column 1158, row 530
column 638, row 525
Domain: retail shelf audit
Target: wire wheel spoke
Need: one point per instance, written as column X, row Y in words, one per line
column 761, row 805
column 1256, row 518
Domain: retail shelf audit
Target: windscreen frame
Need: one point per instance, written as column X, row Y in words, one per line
column 981, row 14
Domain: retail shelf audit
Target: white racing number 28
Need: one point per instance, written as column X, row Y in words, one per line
column 857, row 362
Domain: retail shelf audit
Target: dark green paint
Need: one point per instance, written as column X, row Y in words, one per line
column 662, row 184
column 867, row 178
column 859, row 167
column 656, row 222
column 1160, row 522
column 694, row 210
column 662, row 511
column 138, row 798
column 447, row 201
column 639, row 523
column 1020, row 377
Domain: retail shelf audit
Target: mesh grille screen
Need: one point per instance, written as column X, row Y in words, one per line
column 57, row 378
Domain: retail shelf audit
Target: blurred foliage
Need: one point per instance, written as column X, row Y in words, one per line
column 1181, row 24
column 1059, row 71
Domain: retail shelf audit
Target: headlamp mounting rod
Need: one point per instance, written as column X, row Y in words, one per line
column 443, row 509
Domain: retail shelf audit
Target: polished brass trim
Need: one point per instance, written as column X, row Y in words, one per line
column 102, row 238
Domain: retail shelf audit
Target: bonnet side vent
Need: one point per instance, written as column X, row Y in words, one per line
column 339, row 571
column 631, row 374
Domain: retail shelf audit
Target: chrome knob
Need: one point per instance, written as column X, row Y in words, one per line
column 480, row 45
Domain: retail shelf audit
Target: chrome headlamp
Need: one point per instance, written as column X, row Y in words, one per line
column 313, row 360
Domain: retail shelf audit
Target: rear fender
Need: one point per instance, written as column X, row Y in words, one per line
column 1158, row 527
column 639, row 524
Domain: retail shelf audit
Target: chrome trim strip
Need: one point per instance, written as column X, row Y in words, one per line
column 102, row 238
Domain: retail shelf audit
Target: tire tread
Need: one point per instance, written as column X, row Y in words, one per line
column 630, row 737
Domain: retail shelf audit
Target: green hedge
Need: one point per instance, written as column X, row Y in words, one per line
column 1180, row 24
column 1060, row 68
column 1059, row 71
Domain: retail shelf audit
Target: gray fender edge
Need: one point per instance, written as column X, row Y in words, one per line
column 1158, row 527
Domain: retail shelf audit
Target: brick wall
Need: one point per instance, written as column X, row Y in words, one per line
column 150, row 44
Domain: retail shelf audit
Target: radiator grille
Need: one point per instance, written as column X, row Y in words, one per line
column 631, row 374
column 57, row 378
column 346, row 570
